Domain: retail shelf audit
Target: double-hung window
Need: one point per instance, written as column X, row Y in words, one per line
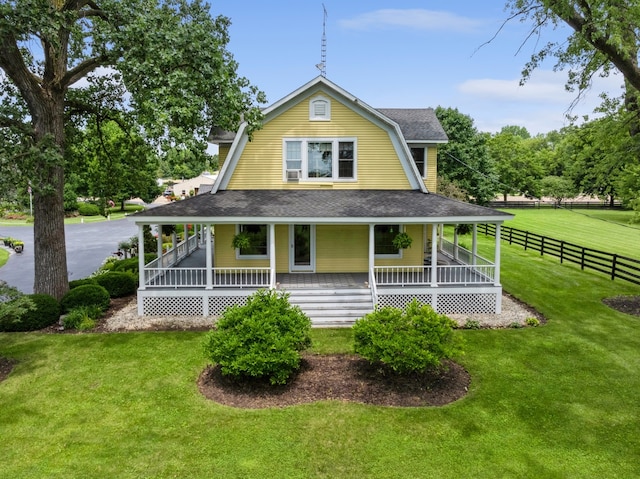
column 320, row 159
column 383, row 241
column 258, row 247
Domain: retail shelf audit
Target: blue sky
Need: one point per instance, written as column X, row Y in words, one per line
column 406, row 54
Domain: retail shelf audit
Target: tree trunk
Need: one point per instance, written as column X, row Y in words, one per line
column 49, row 250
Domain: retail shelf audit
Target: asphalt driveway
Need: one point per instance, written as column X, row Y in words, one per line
column 88, row 244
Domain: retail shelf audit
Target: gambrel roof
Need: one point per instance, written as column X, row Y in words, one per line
column 418, row 125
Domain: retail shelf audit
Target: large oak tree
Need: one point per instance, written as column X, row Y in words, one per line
column 62, row 59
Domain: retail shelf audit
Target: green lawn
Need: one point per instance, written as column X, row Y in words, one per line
column 605, row 230
column 115, row 214
column 557, row 401
column 4, row 256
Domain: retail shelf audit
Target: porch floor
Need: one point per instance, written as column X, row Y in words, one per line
column 321, row 280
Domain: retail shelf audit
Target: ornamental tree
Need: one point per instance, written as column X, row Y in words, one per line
column 165, row 62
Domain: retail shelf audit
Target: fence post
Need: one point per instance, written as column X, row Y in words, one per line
column 526, row 240
column 542, row 247
column 614, row 263
column 561, row 251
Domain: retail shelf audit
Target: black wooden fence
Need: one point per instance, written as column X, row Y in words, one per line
column 614, row 265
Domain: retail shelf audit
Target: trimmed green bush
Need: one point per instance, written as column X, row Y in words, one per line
column 413, row 340
column 88, row 209
column 13, row 305
column 117, row 283
column 261, row 339
column 81, row 282
column 86, row 295
column 46, row 312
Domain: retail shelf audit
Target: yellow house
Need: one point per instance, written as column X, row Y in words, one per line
column 333, row 201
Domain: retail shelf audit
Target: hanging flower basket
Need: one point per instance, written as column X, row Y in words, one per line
column 402, row 241
column 241, row 241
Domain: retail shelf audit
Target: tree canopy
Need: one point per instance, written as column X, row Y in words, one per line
column 164, row 62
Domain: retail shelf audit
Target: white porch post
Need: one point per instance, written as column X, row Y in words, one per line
column 159, row 250
column 372, row 249
column 209, row 260
column 141, row 274
column 434, row 256
column 174, row 242
column 455, row 243
column 441, row 234
column 474, row 246
column 185, row 230
column 272, row 254
column 496, row 277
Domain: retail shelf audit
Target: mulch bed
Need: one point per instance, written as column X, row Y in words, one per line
column 624, row 304
column 339, row 377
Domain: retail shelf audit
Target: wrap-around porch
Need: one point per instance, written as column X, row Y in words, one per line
column 184, row 280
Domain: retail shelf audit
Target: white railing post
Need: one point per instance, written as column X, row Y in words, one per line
column 141, row 279
column 474, row 245
column 159, row 245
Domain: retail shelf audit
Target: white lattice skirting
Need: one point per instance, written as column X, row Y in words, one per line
column 448, row 302
column 444, row 300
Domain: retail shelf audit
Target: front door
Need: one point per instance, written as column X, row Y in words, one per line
column 302, row 241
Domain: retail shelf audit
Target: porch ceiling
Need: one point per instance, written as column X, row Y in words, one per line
column 321, row 206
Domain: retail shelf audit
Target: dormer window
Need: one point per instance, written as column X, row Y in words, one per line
column 319, row 109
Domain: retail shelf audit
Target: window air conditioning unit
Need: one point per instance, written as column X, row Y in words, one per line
column 293, row 175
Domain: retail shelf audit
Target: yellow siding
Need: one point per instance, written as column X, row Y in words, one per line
column 341, row 249
column 282, row 248
column 225, row 255
column 412, row 256
column 378, row 166
column 432, row 169
column 223, row 151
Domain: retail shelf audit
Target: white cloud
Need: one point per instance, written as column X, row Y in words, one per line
column 417, row 19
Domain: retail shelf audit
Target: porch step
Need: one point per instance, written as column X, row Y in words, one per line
column 332, row 307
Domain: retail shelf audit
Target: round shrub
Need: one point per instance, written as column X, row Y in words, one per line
column 412, row 340
column 131, row 264
column 46, row 313
column 86, row 295
column 80, row 282
column 88, row 209
column 117, row 283
column 261, row 339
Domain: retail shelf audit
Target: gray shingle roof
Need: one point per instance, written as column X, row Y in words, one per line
column 321, row 205
column 416, row 124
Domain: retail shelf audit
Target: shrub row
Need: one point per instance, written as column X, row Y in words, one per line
column 263, row 338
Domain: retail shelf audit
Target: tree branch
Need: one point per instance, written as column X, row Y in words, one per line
column 12, row 62
column 25, row 128
column 81, row 70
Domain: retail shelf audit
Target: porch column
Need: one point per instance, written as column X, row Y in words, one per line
column 141, row 279
column 455, row 243
column 434, row 257
column 474, row 246
column 496, row 277
column 272, row 255
column 174, row 241
column 185, row 229
column 209, row 260
column 372, row 249
column 159, row 250
column 441, row 235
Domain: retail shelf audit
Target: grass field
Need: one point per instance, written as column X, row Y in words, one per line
column 557, row 401
column 604, row 230
column 4, row 256
column 115, row 214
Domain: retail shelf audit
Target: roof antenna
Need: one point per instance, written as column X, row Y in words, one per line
column 322, row 66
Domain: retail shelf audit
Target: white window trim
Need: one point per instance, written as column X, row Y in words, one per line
column 312, row 110
column 253, row 256
column 390, row 256
column 426, row 158
column 335, row 160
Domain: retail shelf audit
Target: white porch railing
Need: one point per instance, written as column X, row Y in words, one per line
column 463, row 255
column 195, row 278
column 421, row 275
column 374, row 287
